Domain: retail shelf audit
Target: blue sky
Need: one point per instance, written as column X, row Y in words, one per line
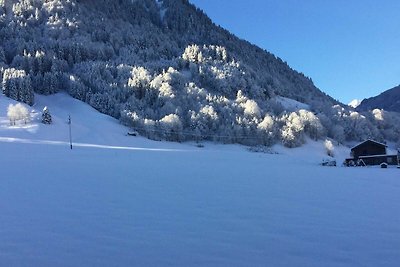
column 351, row 49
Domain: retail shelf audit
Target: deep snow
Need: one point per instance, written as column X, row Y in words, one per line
column 291, row 104
column 116, row 200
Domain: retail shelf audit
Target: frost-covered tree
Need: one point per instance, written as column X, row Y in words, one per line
column 251, row 108
column 292, row 132
column 172, row 127
column 17, row 112
column 312, row 124
column 139, row 81
column 268, row 129
column 329, row 147
column 46, row 116
column 12, row 114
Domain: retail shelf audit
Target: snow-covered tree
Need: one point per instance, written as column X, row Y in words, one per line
column 171, row 127
column 268, row 129
column 17, row 85
column 12, row 114
column 46, row 116
column 251, row 108
column 17, row 112
column 330, row 149
column 292, row 132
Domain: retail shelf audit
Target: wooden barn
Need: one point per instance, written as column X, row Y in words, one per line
column 368, row 148
column 369, row 153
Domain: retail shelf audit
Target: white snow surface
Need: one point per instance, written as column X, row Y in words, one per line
column 116, row 200
column 291, row 104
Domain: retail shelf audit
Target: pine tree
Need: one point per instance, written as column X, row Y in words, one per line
column 46, row 116
column 2, row 55
column 26, row 91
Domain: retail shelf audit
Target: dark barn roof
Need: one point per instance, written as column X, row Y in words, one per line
column 369, row 141
column 368, row 148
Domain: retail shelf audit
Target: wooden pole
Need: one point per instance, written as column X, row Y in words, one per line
column 70, row 131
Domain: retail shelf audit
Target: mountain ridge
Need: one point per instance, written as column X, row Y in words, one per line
column 388, row 100
column 165, row 69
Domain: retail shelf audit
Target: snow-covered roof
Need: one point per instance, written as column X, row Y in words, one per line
column 376, row 156
column 369, row 140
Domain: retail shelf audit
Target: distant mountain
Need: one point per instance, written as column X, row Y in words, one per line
column 388, row 100
column 354, row 103
column 165, row 69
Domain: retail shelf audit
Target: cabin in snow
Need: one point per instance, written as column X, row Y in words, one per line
column 369, row 153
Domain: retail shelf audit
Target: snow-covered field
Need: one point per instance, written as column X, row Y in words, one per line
column 116, row 200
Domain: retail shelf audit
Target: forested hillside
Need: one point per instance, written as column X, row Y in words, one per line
column 163, row 68
column 388, row 100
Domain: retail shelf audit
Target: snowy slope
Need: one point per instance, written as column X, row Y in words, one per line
column 111, row 204
column 89, row 127
column 291, row 104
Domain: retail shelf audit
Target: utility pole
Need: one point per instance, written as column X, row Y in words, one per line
column 70, row 132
